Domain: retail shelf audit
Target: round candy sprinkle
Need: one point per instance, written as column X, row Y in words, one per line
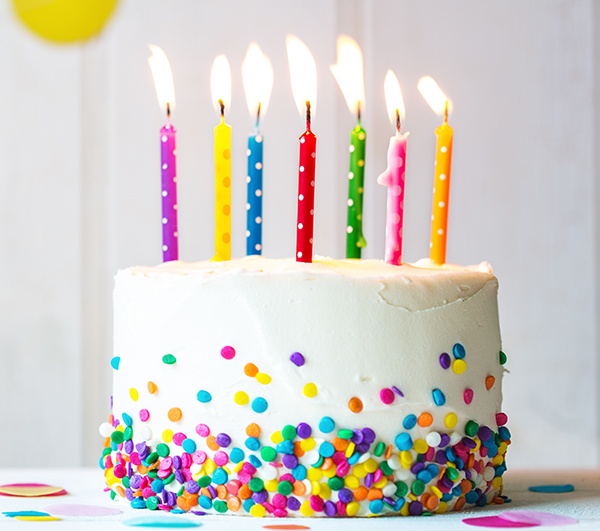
column 438, row 397
column 174, row 414
column 167, row 435
column 133, row 393
column 263, row 378
column 502, row 358
column 310, row 390
column 387, row 396
column 289, row 432
column 355, row 404
column 459, row 366
column 250, row 370
column 489, row 382
column 326, row 425
column 404, row 442
column 297, row 359
column 445, row 360
column 501, row 419
column 228, row 352
column 189, row 446
column 450, row 420
column 152, row 388
column 259, row 405
column 169, row 359
column 409, row 422
column 241, row 398
column 253, row 430
column 303, row 430
column 459, row 351
column 114, row 363
column 468, row 396
column 223, row 440
column 144, row 415
column 471, row 428
column 204, row 396
column 203, row 430
column 425, row 419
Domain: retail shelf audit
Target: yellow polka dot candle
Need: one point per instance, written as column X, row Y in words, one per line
column 221, row 93
column 438, row 101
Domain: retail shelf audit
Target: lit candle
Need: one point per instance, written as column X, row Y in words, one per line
column 257, row 74
column 163, row 81
column 221, row 94
column 349, row 74
column 394, row 175
column 303, row 74
column 438, row 101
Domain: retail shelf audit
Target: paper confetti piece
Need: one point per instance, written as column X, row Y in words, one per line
column 552, row 488
column 494, row 521
column 82, row 510
column 286, row 526
column 537, row 517
column 30, row 490
column 37, row 518
column 12, row 514
column 155, row 521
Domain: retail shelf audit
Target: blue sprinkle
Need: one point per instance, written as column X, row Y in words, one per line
column 326, row 425
column 438, row 397
column 138, row 503
column 554, row 489
column 424, row 476
column 204, row 396
column 299, row 472
column 471, row 497
column 259, row 405
column 409, row 422
column 205, row 502
column 446, row 497
column 236, row 455
column 127, row 420
column 376, row 506
column 220, row 477
column 504, row 433
column 247, row 504
column 252, row 443
column 157, row 486
column 189, row 445
column 326, row 449
column 353, row 459
column 161, row 521
column 433, row 469
column 399, row 503
column 114, row 363
column 255, row 461
column 12, row 514
column 459, row 351
column 404, row 442
column 285, row 447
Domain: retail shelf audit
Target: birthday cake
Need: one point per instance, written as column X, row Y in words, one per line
column 335, row 388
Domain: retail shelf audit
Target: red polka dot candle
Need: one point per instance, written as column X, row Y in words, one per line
column 163, row 81
column 221, row 94
column 303, row 74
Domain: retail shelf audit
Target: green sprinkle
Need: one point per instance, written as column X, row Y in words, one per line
column 285, row 488
column 126, row 482
column 204, row 481
column 128, row 433
column 345, row 434
column 106, row 451
column 502, row 358
column 268, row 453
column 256, row 484
column 168, row 479
column 169, row 359
column 180, row 491
column 471, row 428
column 401, row 489
column 385, row 468
column 335, row 483
column 379, row 449
column 113, row 494
column 220, row 506
column 289, row 432
column 152, row 458
column 418, row 487
column 153, row 474
column 451, row 473
column 318, row 463
column 152, row 503
column 117, row 437
column 162, row 450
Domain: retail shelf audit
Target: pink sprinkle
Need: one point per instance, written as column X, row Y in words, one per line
column 280, row 513
column 430, row 453
column 269, row 507
column 387, row 396
column 233, row 487
column 220, row 458
column 279, row 501
column 186, row 460
column 468, row 396
column 166, row 464
column 187, row 474
column 164, row 507
column 275, row 464
column 144, row 415
column 135, row 459
column 228, row 352
column 144, row 482
column 120, row 471
column 317, row 504
column 147, row 492
column 378, row 475
column 203, row 430
column 249, row 467
column 341, row 508
column 501, row 419
column 287, row 477
column 199, row 457
column 342, row 469
column 178, row 438
column 163, row 473
column 108, row 462
column 339, row 457
column 244, row 477
column 494, row 521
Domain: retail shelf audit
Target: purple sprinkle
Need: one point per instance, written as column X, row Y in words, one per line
column 297, row 359
column 213, row 491
column 445, row 361
column 129, row 494
column 129, row 470
column 303, row 430
column 469, row 443
column 260, row 497
column 368, row 435
column 369, row 480
column 445, row 440
column 290, row 461
column 363, row 447
column 467, row 474
column 447, row 482
column 397, row 391
column 172, row 498
column 484, row 433
column 135, row 481
column 440, row 457
column 358, row 437
column 140, row 447
column 199, row 513
column 192, row 486
column 417, row 467
column 415, row 508
column 330, row 508
column 389, row 501
column 176, row 462
column 345, row 495
column 128, row 446
column 223, row 440
column 179, row 477
column 293, row 503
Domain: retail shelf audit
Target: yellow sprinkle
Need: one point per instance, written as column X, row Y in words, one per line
column 370, row 465
column 111, row 479
column 351, row 482
column 436, row 492
column 133, row 393
column 310, row 390
column 350, row 449
column 459, row 366
column 276, row 437
column 352, row 508
column 442, row 507
column 329, row 473
column 325, row 492
column 227, row 469
column 263, row 378
column 238, row 467
column 381, row 483
column 450, row 420
column 412, row 496
column 421, row 446
column 37, row 518
column 210, row 466
column 306, row 510
column 497, row 483
column 404, row 510
column 477, row 445
column 308, row 444
column 406, row 458
column 120, row 427
column 316, row 487
column 360, row 471
column 167, row 435
column 314, row 474
column 271, row 485
column 241, row 399
column 258, row 510
column 502, row 448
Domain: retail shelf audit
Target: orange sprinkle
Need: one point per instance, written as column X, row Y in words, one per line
column 244, row 493
column 425, row 419
column 360, row 493
column 221, row 492
column 183, row 504
column 340, row 444
column 460, row 503
column 432, row 503
column 498, row 500
column 465, row 486
column 388, row 452
column 253, row 430
column 141, row 469
column 327, row 463
column 205, row 492
column 489, row 382
column 288, row 527
column 442, row 471
column 374, row 494
column 355, row 404
column 470, row 461
column 192, row 500
column 234, row 504
column 174, row 414
column 121, row 491
column 299, row 488
column 424, row 498
column 250, row 370
column 152, row 388
column 298, row 451
column 211, row 442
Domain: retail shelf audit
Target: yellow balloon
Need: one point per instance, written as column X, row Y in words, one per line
column 65, row 21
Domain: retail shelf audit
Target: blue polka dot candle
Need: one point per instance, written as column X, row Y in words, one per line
column 257, row 74
column 163, row 80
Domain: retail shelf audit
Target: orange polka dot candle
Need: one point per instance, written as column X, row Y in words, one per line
column 221, row 94
column 438, row 101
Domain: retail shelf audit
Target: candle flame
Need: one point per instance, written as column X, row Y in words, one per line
column 220, row 83
column 257, row 74
column 348, row 71
column 163, row 78
column 393, row 99
column 434, row 95
column 303, row 74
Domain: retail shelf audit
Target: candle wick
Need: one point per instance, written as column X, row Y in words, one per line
column 358, row 112
column 258, row 114
column 308, row 115
column 398, row 124
column 168, row 110
column 222, row 105
column 446, row 112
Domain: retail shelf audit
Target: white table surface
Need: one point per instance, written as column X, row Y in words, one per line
column 85, row 486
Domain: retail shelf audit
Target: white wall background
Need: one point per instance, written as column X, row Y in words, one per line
column 79, row 177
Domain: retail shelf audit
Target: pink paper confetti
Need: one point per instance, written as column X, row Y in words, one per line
column 82, row 510
column 537, row 518
column 494, row 521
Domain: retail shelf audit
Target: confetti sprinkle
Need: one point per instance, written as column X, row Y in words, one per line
column 387, row 396
column 228, row 352
column 13, row 514
column 355, row 404
column 310, row 390
column 494, row 521
column 552, row 489
column 537, row 518
column 297, row 359
column 489, row 382
column 169, row 359
column 114, row 363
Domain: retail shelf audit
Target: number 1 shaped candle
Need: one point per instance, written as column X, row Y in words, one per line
column 394, row 175
column 303, row 74
column 349, row 74
column 221, row 93
column 163, row 80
